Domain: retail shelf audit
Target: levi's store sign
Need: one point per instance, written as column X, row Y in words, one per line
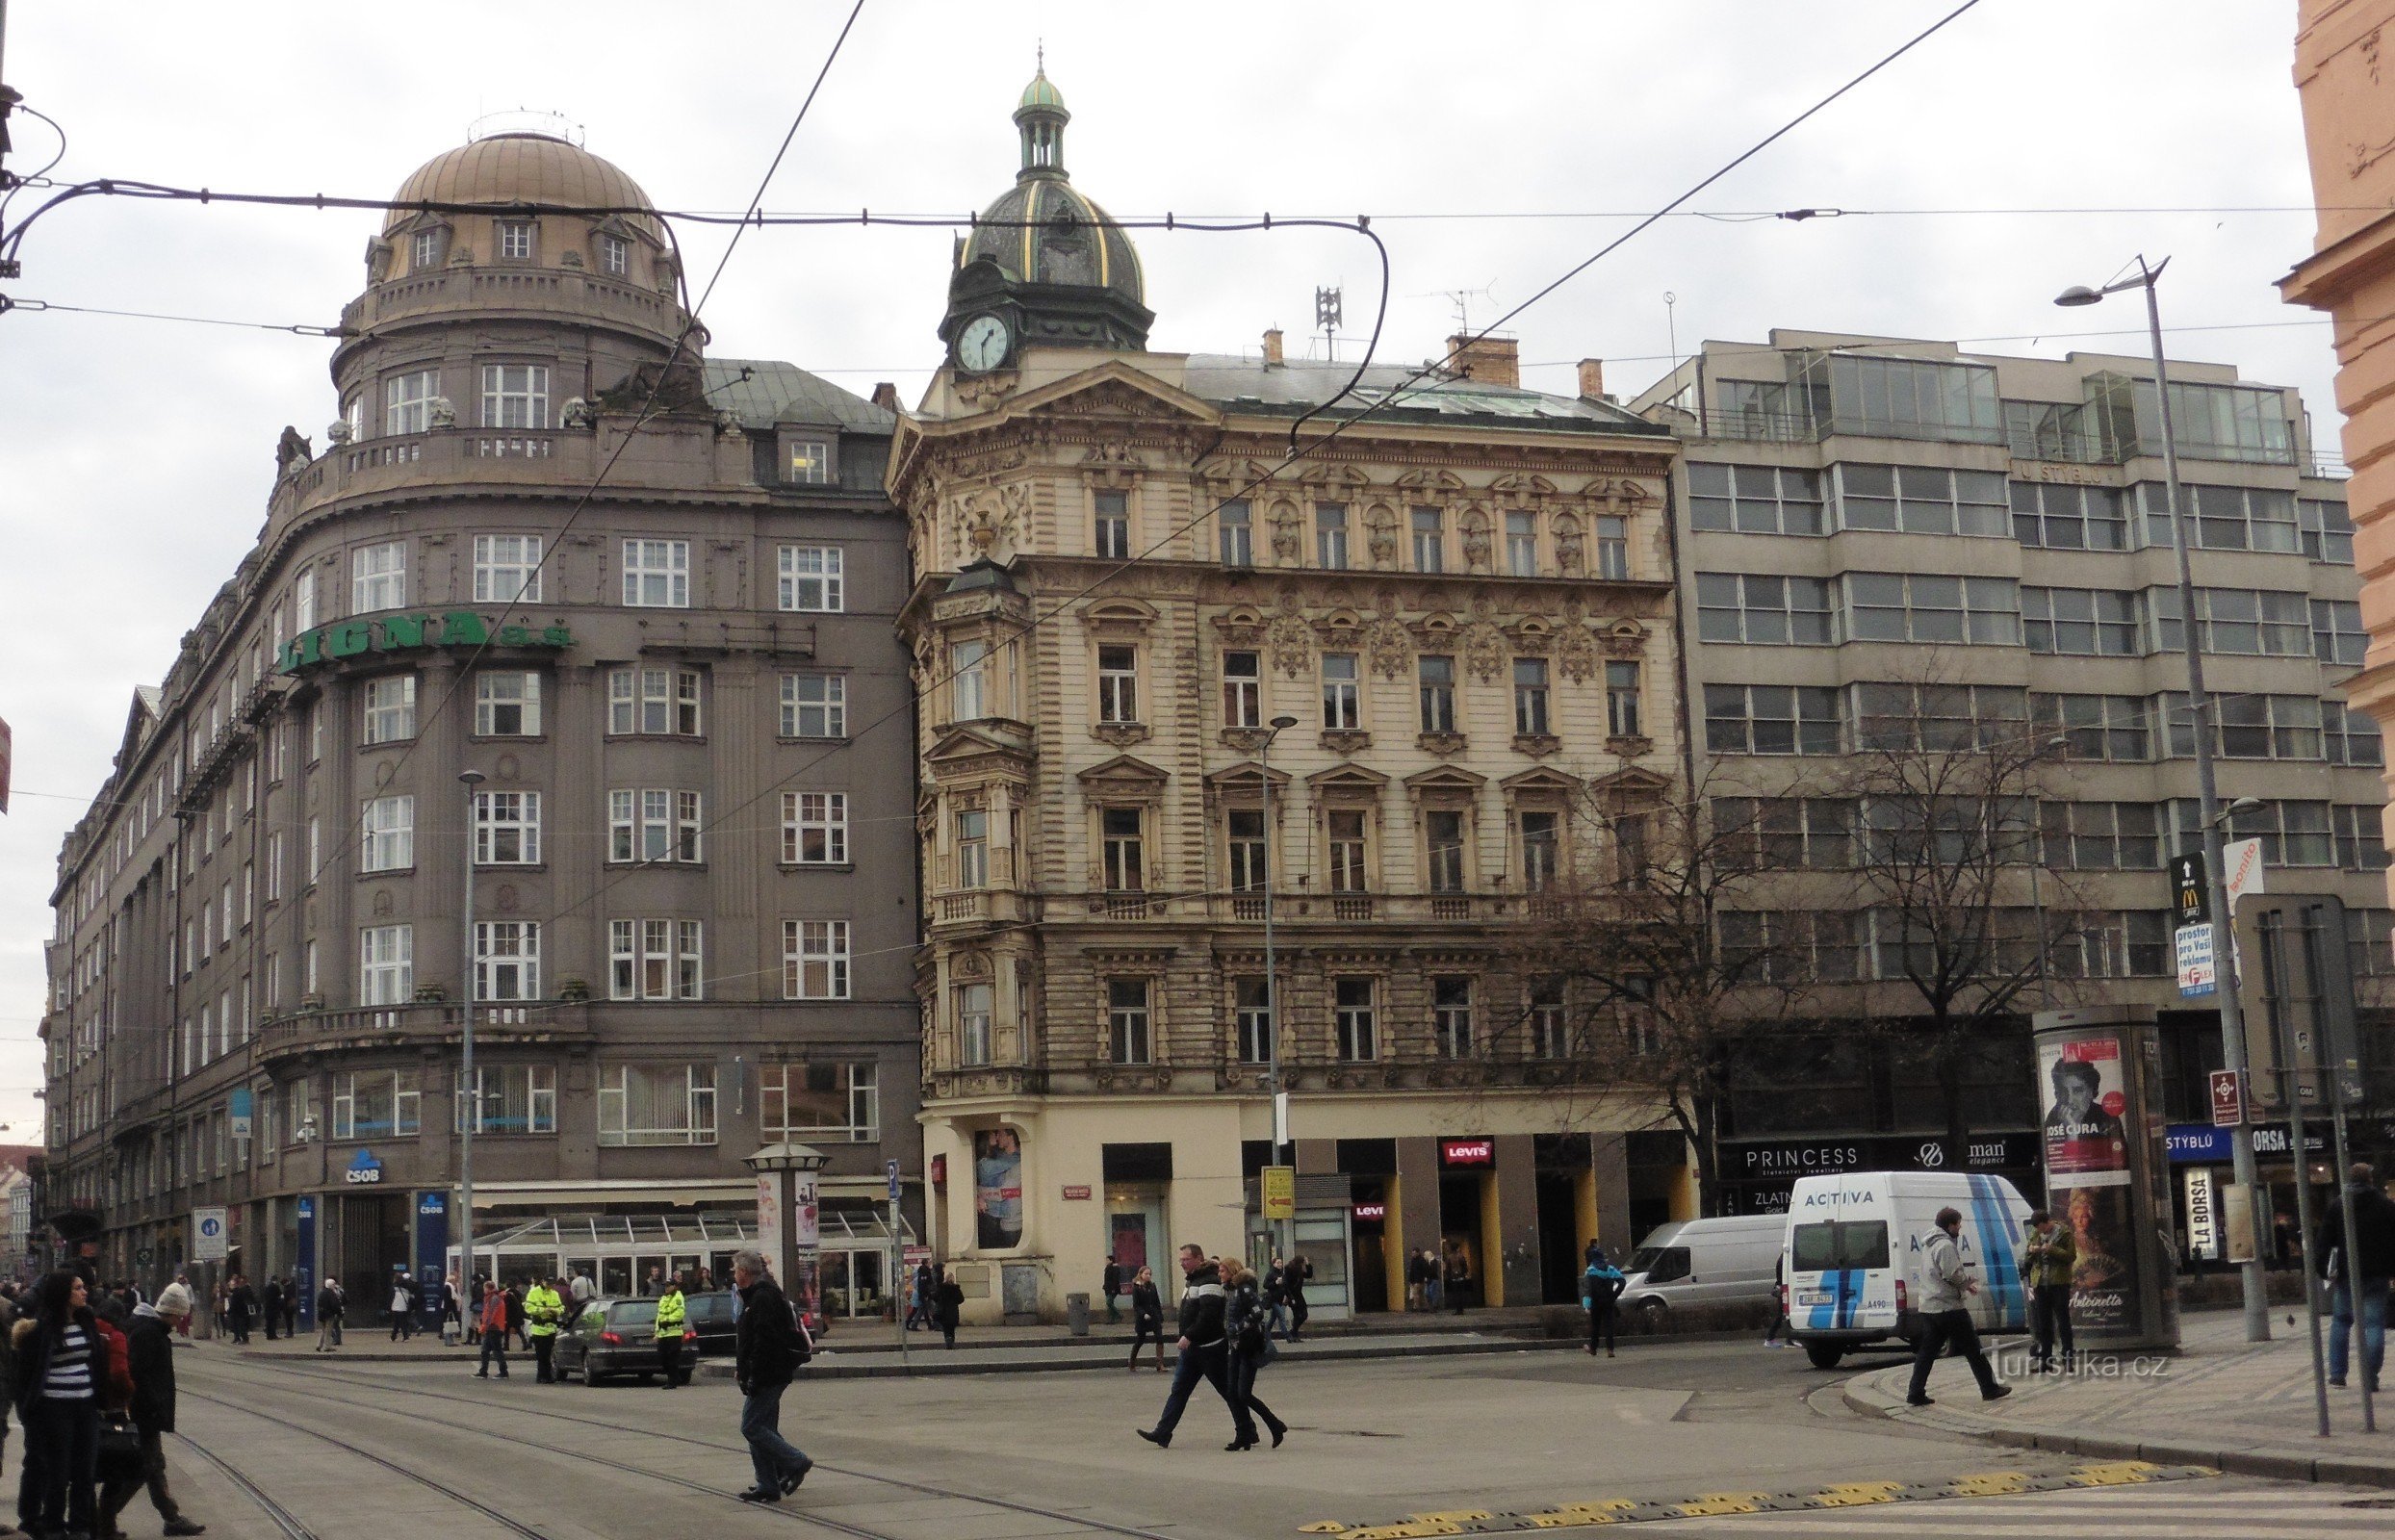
column 409, row 634
column 1468, row 1151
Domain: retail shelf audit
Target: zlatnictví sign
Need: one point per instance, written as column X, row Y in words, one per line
column 409, row 634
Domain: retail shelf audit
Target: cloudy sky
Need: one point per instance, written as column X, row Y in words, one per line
column 1496, row 145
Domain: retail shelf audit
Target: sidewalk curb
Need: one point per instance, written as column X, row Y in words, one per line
column 939, row 1362
column 2275, row 1462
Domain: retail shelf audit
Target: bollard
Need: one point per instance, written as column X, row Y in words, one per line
column 1077, row 1313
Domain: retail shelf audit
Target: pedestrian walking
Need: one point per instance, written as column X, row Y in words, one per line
column 291, row 1310
column 327, row 1317
column 494, row 1333
column 55, row 1349
column 769, row 1346
column 543, row 1309
column 2370, row 1262
column 1601, row 1287
column 1251, row 1348
column 671, row 1325
column 1202, row 1344
column 919, row 1298
column 241, row 1308
column 151, row 1342
column 1458, row 1279
column 270, row 1306
column 1294, row 1278
column 1147, row 1319
column 452, row 1311
column 2048, row 1254
column 1947, row 1288
column 1430, row 1275
column 116, row 1465
column 1779, row 1299
column 219, row 1304
column 402, row 1307
column 948, row 1302
column 515, row 1315
column 1275, row 1292
column 1112, row 1282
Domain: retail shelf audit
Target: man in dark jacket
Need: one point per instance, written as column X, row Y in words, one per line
column 1203, row 1350
column 768, row 1348
column 149, row 1351
column 1112, row 1282
column 2362, row 1277
column 272, row 1304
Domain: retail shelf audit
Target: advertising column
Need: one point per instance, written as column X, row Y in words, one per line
column 2103, row 1169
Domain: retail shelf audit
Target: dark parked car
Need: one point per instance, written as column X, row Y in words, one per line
column 616, row 1337
column 710, row 1316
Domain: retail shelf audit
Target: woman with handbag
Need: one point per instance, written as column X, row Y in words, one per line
column 57, row 1352
column 117, row 1466
column 1147, row 1319
column 1245, row 1325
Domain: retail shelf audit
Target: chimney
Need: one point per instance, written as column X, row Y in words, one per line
column 1272, row 346
column 885, row 397
column 1490, row 360
column 1592, row 379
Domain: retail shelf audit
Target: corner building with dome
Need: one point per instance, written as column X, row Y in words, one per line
column 693, row 905
column 1462, row 606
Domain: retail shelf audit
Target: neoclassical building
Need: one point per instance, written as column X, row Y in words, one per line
column 1122, row 581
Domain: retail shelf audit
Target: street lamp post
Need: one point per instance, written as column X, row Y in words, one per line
column 469, row 1091
column 2207, row 789
column 1283, row 1241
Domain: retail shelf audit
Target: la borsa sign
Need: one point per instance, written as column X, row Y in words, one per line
column 410, row 634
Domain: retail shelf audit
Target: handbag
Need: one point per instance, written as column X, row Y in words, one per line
column 119, row 1443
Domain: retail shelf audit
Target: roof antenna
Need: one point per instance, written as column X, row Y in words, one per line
column 1329, row 313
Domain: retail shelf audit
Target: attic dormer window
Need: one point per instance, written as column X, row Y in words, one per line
column 810, row 462
column 423, row 251
column 615, row 256
column 515, row 239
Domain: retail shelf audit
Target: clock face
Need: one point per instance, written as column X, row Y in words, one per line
column 981, row 347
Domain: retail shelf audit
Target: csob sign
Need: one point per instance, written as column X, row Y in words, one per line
column 409, row 634
column 363, row 1169
column 1467, row 1152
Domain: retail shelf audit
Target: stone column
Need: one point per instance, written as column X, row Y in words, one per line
column 1516, row 1273
column 1613, row 1173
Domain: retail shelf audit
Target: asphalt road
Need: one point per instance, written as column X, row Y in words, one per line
column 335, row 1450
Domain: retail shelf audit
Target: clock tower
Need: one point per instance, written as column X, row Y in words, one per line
column 1044, row 266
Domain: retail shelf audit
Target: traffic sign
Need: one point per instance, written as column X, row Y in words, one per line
column 889, row 1169
column 208, row 1236
column 1280, row 1193
column 2227, row 1097
column 2193, row 893
column 2197, row 973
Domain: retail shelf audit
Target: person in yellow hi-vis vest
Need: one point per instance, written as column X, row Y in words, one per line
column 671, row 1325
column 543, row 1309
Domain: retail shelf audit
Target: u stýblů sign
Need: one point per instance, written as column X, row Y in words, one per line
column 409, row 634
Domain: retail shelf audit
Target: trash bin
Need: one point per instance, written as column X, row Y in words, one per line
column 1077, row 1313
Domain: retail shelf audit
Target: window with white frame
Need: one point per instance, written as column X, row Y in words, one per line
column 1550, row 1030
column 513, row 238
column 391, row 708
column 1331, row 535
column 377, row 1104
column 814, row 827
column 1923, row 499
column 1531, row 719
column 1450, row 1017
column 507, row 828
column 1252, row 1008
column 1355, row 1022
column 515, row 395
column 813, row 578
column 815, row 959
column 1622, row 713
column 1234, row 523
column 1347, row 842
column 807, row 462
column 1521, row 543
column 1429, row 531
column 407, row 404
column 316, row 849
column 1444, row 831
column 1130, row 1031
column 506, row 959
column 1111, row 517
column 973, row 849
column 1342, row 702
column 386, row 964
column 424, row 250
column 507, row 569
column 511, row 1099
column 1541, row 832
column 378, row 577
column 387, row 837
column 836, row 1101
column 1612, row 548
column 656, row 574
column 656, row 1104
column 274, row 867
column 508, row 704
column 654, row 702
column 654, row 824
column 968, row 681
column 972, row 1022
column 1117, row 685
column 1243, row 689
column 1122, row 846
column 654, row 960
column 615, row 255
column 814, row 706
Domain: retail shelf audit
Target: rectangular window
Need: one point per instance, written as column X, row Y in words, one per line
column 274, row 867
column 386, row 964
column 1429, row 528
column 814, row 827
column 1436, row 676
column 654, row 824
column 515, row 395
column 1612, row 548
column 814, row 706
column 1354, row 1020
column 2337, row 633
column 1450, row 1017
column 506, row 959
column 1542, row 850
column 507, row 705
column 1522, row 544
column 2080, row 622
column 2328, row 527
column 507, row 828
column 2352, row 736
column 378, row 577
column 615, row 256
column 1756, row 500
column 514, row 238
column 2225, row 518
column 387, row 840
column 1443, row 834
column 303, row 601
column 1923, row 500
column 1885, row 606
column 815, row 959
column 813, row 578
column 512, row 1099
column 1128, row 1039
column 1549, row 1031
column 2100, row 836
column 2096, row 726
column 1123, row 847
column 657, row 701
column 2060, row 516
column 1244, row 827
column 407, row 406
column 654, row 960
column 1243, row 689
column 1234, row 527
column 1117, row 685
column 507, row 569
column 377, row 1104
column 973, row 849
column 1786, row 833
column 2293, row 833
column 423, row 251
column 1762, row 610
column 391, row 708
column 809, row 463
column 1772, row 719
column 1343, row 710
column 1622, row 715
column 837, row 1102
column 2361, row 845
column 1343, row 829
column 656, row 574
column 968, row 681
column 2247, row 727
column 1253, row 1006
column 1330, row 534
column 1530, row 697
column 1938, row 717
column 972, row 1024
column 316, row 849
column 1111, row 514
column 2242, row 622
column 656, row 1104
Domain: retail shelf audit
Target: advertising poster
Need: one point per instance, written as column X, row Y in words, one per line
column 2085, row 1143
column 2104, row 1281
column 998, row 1187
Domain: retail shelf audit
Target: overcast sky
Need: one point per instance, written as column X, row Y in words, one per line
column 136, row 455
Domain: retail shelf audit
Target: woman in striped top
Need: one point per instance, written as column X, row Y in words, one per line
column 57, row 1363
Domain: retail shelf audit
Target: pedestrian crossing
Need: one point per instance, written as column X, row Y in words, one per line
column 2172, row 1511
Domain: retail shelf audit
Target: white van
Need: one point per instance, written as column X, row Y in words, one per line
column 1704, row 1261
column 1853, row 1252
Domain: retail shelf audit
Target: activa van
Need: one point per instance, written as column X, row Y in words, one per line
column 1852, row 1251
column 1722, row 1260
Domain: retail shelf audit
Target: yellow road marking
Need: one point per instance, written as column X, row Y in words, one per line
column 1714, row 1503
column 1990, row 1484
column 2121, row 1473
column 1856, row 1494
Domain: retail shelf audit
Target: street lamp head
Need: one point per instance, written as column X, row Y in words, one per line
column 1282, row 723
column 2078, row 293
column 2244, row 804
column 472, row 778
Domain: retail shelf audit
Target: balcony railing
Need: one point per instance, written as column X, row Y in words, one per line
column 437, row 1021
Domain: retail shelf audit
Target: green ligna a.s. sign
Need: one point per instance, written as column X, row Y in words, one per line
column 409, row 634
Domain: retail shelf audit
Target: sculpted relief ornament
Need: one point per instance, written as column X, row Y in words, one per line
column 1388, row 646
column 1292, row 638
column 1286, row 544
column 1476, row 539
column 1381, row 538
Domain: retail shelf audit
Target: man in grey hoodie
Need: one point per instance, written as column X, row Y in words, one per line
column 1946, row 1314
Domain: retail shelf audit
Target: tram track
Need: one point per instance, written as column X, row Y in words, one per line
column 283, row 1519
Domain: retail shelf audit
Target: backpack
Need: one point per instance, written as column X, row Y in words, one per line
column 801, row 1341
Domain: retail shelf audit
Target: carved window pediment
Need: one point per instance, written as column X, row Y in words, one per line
column 1118, row 617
